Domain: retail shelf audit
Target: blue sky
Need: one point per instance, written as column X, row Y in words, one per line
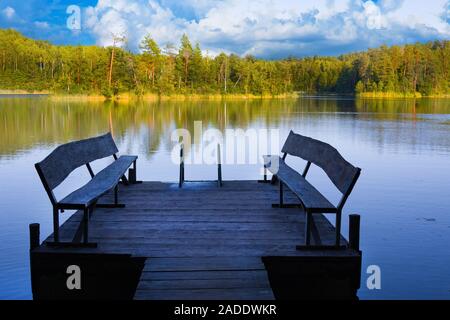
column 264, row 28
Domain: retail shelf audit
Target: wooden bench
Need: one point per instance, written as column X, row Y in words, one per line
column 55, row 168
column 341, row 173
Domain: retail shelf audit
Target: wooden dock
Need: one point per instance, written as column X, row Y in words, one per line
column 199, row 242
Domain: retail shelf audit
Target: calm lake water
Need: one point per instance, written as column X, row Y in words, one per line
column 403, row 195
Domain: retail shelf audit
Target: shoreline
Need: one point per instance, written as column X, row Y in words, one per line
column 23, row 92
column 127, row 96
column 399, row 95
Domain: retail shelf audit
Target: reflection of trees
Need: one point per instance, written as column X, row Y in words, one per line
column 25, row 123
column 29, row 122
column 391, row 109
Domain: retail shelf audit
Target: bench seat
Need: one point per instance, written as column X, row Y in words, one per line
column 311, row 199
column 66, row 158
column 99, row 185
column 342, row 173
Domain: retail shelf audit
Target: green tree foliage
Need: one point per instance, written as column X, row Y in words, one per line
column 149, row 63
column 183, row 61
column 38, row 65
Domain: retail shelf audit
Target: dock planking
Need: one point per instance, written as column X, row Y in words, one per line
column 201, row 241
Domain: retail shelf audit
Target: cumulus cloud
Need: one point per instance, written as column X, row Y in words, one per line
column 389, row 5
column 446, row 13
column 268, row 28
column 9, row 12
column 133, row 19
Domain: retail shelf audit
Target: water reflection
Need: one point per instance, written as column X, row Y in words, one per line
column 403, row 147
column 29, row 122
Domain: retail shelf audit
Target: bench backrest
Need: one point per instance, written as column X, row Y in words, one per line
column 70, row 156
column 341, row 173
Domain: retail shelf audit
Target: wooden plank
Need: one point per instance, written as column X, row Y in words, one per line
column 204, row 264
column 214, row 217
column 177, row 235
column 204, row 278
column 201, row 242
column 206, row 294
column 194, row 284
column 203, row 275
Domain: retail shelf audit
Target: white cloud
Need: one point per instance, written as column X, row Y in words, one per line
column 9, row 12
column 132, row 19
column 41, row 24
column 271, row 28
column 446, row 14
column 389, row 5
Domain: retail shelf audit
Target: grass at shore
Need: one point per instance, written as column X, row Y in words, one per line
column 129, row 96
column 394, row 95
column 124, row 97
column 22, row 92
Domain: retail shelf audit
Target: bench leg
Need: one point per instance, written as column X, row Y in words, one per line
column 125, row 180
column 85, row 225
column 265, row 177
column 281, row 194
column 132, row 174
column 319, row 246
column 281, row 201
column 281, row 204
column 55, row 224
column 308, row 229
column 74, row 244
column 338, row 228
column 274, row 179
column 116, row 203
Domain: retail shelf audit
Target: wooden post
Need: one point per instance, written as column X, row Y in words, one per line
column 55, row 224
column 180, row 184
column 353, row 233
column 34, row 243
column 219, row 167
column 34, row 235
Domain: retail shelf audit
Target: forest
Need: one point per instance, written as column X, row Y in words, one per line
column 35, row 65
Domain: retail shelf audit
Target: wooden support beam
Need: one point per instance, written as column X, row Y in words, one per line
column 34, row 235
column 353, row 233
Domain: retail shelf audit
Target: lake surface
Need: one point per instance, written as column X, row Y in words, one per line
column 403, row 195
